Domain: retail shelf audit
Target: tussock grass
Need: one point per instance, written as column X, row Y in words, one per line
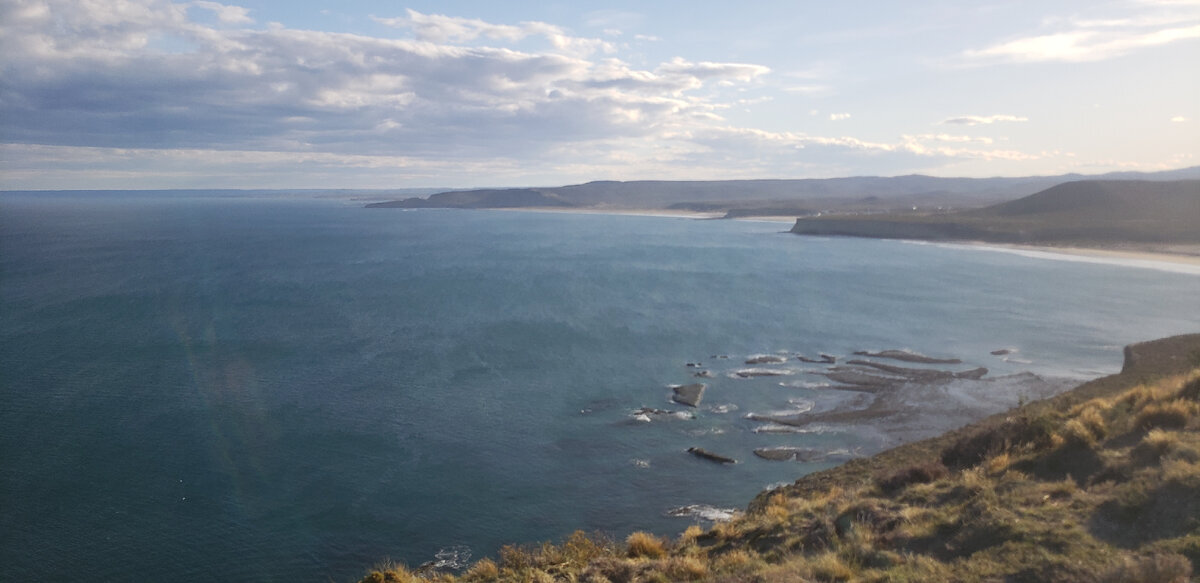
column 1169, row 415
column 644, row 544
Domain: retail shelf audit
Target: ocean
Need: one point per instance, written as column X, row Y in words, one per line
column 207, row 387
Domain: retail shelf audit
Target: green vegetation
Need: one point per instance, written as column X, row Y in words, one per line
column 1099, row 484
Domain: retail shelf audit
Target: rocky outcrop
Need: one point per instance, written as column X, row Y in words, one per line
column 766, row 359
column 710, row 456
column 689, row 395
column 908, row 356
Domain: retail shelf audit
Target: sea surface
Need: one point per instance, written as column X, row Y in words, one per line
column 201, row 387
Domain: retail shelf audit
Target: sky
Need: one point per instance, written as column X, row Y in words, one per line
column 141, row 94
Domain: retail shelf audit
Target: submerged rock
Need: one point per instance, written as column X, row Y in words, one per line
column 703, row 512
column 704, row 374
column 689, row 395
column 861, row 380
column 788, row 454
column 710, row 456
column 746, row 373
column 973, row 374
column 766, row 359
column 799, row 454
column 908, row 356
column 824, row 359
column 646, row 414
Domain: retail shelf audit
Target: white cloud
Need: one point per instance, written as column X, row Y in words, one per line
column 438, row 28
column 974, row 120
column 838, row 116
column 949, row 138
column 226, row 13
column 1076, row 40
column 140, row 88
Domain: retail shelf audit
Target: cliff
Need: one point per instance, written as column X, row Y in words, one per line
column 1101, row 483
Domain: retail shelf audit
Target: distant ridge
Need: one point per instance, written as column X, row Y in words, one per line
column 1113, row 200
column 771, row 196
column 1088, row 212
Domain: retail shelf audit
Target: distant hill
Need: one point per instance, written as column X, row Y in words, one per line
column 768, row 196
column 1088, row 212
column 1107, row 200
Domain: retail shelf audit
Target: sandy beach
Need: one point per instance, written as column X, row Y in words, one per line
column 1183, row 258
column 1166, row 261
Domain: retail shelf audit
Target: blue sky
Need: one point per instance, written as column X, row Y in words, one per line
column 374, row 94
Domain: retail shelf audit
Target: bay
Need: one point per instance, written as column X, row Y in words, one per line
column 230, row 388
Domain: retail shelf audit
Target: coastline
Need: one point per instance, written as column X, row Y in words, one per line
column 1155, row 259
column 661, row 213
column 1186, row 255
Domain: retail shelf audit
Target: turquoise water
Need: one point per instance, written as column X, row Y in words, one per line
column 220, row 388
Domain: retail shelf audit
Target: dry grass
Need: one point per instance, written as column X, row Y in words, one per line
column 484, row 570
column 1169, row 415
column 645, row 545
column 1155, row 568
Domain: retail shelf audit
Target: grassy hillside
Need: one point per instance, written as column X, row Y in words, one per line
column 1091, row 212
column 768, row 196
column 1101, row 483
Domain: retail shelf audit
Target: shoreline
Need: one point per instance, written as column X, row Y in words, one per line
column 661, row 213
column 1177, row 262
column 1190, row 257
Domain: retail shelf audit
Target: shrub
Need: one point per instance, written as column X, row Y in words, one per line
column 391, row 573
column 997, row 464
column 1154, row 446
column 1191, row 387
column 1020, row 432
column 685, row 569
column 733, row 561
column 1171, row 415
column 484, row 570
column 644, row 544
column 830, row 567
column 918, row 474
column 690, row 535
column 1093, row 419
column 1076, row 433
column 1156, row 568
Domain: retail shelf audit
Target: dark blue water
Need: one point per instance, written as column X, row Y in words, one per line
column 210, row 388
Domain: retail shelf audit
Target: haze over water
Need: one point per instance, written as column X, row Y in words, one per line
column 217, row 388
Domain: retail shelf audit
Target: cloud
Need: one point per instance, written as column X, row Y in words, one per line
column 974, row 120
column 1078, row 40
column 225, row 13
column 437, row 28
column 146, row 94
column 838, row 116
column 949, row 138
column 1179, row 119
column 82, row 74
